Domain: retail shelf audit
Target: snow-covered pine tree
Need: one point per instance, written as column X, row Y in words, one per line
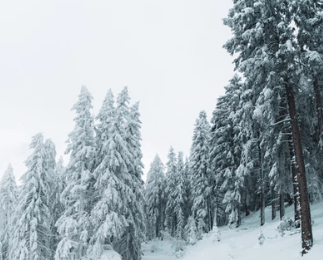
column 232, row 131
column 50, row 167
column 226, row 151
column 308, row 20
column 266, row 48
column 179, row 193
column 106, row 215
column 105, row 120
column 133, row 138
column 170, row 216
column 32, row 231
column 116, row 215
column 191, row 231
column 129, row 245
column 188, row 190
column 8, row 200
column 57, row 207
column 201, row 175
column 73, row 225
column 155, row 197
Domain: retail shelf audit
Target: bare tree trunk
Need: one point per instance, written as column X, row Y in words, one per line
column 289, row 199
column 247, row 204
column 262, row 208
column 273, row 204
column 319, row 111
column 262, row 192
column 239, row 217
column 295, row 182
column 281, row 205
column 307, row 236
column 210, row 217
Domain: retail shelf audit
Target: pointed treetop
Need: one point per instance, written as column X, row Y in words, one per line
column 85, row 91
column 171, row 150
column 157, row 161
column 8, row 176
column 171, row 156
column 109, row 98
column 156, row 158
column 49, row 143
column 107, row 106
column 123, row 97
column 202, row 115
column 50, row 153
column 9, row 170
column 84, row 100
column 181, row 155
column 171, row 163
column 156, row 167
column 135, row 106
column 36, row 140
column 50, row 146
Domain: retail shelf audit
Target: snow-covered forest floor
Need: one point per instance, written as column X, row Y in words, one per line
column 242, row 243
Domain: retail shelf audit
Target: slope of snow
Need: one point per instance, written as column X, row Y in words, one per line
column 242, row 243
column 159, row 250
column 110, row 255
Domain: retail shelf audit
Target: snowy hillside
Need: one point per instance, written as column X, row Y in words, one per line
column 110, row 255
column 243, row 244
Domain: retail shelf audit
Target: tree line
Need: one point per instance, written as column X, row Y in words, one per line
column 263, row 147
column 93, row 204
column 264, row 144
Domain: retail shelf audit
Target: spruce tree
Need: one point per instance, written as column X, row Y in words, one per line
column 180, row 196
column 73, row 225
column 8, row 200
column 191, row 231
column 226, row 152
column 129, row 245
column 117, row 215
column 268, row 53
column 188, row 190
column 201, row 175
column 57, row 207
column 170, row 216
column 155, row 197
column 50, row 167
column 32, row 231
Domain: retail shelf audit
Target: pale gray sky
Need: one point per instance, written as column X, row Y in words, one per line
column 168, row 52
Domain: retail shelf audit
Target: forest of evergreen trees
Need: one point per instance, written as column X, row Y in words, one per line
column 264, row 144
column 262, row 148
column 94, row 203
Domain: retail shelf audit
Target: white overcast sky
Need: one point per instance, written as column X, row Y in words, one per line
column 168, row 52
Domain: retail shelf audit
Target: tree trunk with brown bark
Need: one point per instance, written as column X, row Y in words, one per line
column 319, row 110
column 307, row 236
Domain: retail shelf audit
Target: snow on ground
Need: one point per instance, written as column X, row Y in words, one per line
column 159, row 250
column 242, row 243
column 110, row 255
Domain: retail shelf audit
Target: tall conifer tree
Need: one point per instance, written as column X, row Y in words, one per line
column 117, row 216
column 32, row 232
column 170, row 216
column 8, row 200
column 201, row 175
column 268, row 54
column 73, row 225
